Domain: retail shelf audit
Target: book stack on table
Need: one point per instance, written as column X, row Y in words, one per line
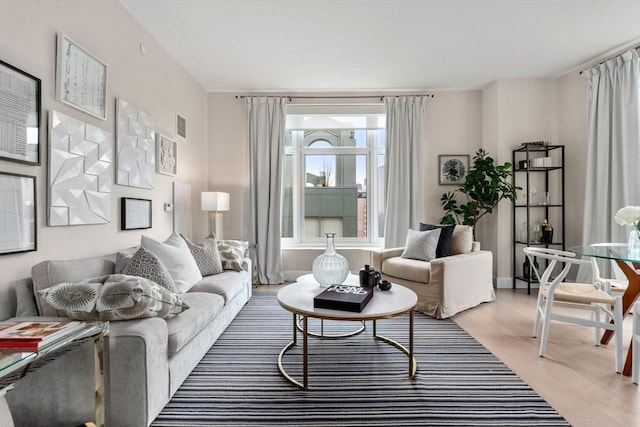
column 344, row 297
column 32, row 336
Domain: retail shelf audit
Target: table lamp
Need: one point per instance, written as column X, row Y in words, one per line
column 215, row 202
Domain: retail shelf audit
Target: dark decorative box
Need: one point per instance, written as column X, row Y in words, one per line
column 343, row 297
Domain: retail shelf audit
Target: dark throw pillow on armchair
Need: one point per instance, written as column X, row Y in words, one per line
column 444, row 242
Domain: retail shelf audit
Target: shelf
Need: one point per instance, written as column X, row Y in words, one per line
column 539, row 169
column 553, row 205
column 537, row 148
column 521, row 242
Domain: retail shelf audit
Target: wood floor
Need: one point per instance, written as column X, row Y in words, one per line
column 577, row 378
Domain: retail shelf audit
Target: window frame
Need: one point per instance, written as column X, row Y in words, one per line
column 371, row 151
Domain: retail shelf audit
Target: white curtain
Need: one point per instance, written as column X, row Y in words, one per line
column 266, row 127
column 613, row 147
column 404, row 186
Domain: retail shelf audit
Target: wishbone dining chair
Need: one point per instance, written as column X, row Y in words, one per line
column 555, row 292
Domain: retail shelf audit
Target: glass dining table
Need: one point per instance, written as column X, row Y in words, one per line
column 629, row 263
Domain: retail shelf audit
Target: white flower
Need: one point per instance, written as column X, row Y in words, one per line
column 629, row 215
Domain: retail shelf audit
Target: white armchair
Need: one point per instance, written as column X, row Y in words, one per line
column 445, row 286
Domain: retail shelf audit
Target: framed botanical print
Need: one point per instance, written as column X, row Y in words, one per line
column 453, row 168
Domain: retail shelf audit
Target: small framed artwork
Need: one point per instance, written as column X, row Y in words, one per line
column 82, row 78
column 166, row 156
column 18, row 214
column 20, row 108
column 181, row 126
column 453, row 168
column 135, row 214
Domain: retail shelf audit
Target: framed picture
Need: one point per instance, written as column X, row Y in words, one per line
column 453, row 168
column 20, row 108
column 135, row 214
column 82, row 78
column 181, row 126
column 18, row 213
column 166, row 156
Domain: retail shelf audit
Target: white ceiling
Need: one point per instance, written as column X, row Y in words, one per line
column 384, row 45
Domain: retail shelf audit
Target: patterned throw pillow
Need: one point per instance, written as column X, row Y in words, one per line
column 232, row 253
column 421, row 244
column 145, row 264
column 206, row 255
column 113, row 297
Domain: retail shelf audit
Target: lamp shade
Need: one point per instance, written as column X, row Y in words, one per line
column 214, row 201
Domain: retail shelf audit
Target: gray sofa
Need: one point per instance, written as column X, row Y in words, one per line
column 146, row 360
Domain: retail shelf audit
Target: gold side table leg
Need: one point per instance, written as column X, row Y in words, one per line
column 412, row 371
column 98, row 352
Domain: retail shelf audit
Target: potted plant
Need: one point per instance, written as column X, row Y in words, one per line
column 485, row 185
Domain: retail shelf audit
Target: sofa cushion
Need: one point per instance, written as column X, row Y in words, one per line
column 203, row 309
column 49, row 273
column 227, row 284
column 145, row 264
column 232, row 253
column 421, row 244
column 206, row 255
column 407, row 269
column 444, row 241
column 461, row 240
column 112, row 297
column 176, row 256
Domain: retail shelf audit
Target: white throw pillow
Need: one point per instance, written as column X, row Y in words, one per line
column 176, row 256
column 421, row 244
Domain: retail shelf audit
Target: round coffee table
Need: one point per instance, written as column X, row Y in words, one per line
column 297, row 298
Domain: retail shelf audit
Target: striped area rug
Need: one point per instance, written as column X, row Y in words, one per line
column 357, row 381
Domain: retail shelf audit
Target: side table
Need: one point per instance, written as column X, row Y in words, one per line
column 15, row 365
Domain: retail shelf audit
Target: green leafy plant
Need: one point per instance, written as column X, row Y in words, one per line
column 485, row 185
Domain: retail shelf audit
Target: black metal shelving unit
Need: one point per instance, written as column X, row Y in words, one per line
column 551, row 180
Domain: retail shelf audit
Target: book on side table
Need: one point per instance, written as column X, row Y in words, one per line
column 31, row 336
column 343, row 297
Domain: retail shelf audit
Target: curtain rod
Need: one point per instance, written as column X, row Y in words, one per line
column 429, row 95
column 611, row 57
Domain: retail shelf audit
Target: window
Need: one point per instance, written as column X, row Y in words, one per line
column 334, row 174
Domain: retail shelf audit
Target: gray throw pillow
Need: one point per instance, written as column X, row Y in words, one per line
column 421, row 245
column 206, row 255
column 145, row 264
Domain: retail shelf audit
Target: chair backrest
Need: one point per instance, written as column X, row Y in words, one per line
column 617, row 272
column 553, row 256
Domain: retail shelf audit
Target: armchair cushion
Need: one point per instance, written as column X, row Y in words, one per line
column 444, row 241
column 461, row 240
column 408, row 269
column 421, row 245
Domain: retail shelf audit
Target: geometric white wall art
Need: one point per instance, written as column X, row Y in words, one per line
column 80, row 173
column 135, row 142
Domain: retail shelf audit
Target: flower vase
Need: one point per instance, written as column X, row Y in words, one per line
column 330, row 268
column 634, row 243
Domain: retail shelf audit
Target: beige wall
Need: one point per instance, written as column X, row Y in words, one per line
column 154, row 82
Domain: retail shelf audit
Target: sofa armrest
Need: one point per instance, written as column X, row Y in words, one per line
column 137, row 371
column 379, row 255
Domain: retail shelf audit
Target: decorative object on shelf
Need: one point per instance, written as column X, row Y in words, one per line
column 369, row 277
column 136, row 140
column 330, row 268
column 630, row 216
column 536, row 233
column 535, row 144
column 384, row 285
column 167, row 156
column 453, row 168
column 80, row 172
column 82, row 78
column 522, row 164
column 18, row 214
column 215, row 202
column 547, row 232
column 135, row 214
column 546, row 198
column 484, row 186
column 19, row 115
column 526, row 268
